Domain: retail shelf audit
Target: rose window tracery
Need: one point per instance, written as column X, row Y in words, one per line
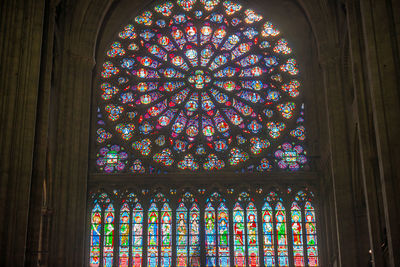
column 200, row 85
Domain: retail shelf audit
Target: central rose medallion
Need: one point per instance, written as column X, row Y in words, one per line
column 199, row 79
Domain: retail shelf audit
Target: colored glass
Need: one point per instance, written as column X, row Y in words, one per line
column 196, row 71
column 297, row 235
column 137, row 236
column 280, row 221
column 269, row 240
column 95, row 233
column 108, row 240
column 311, row 235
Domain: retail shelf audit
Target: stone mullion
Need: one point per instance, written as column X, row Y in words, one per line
column 174, row 205
column 202, row 225
column 117, row 235
column 382, row 58
column 145, row 233
column 231, row 233
column 275, row 234
column 304, row 231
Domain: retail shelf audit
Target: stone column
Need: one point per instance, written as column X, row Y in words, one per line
column 339, row 156
column 21, row 43
column 380, row 26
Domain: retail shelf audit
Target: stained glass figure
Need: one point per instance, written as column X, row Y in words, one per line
column 211, row 242
column 153, row 236
column 162, row 240
column 269, row 240
column 108, row 240
column 181, row 235
column 239, row 236
column 95, row 233
column 124, row 227
column 223, row 236
column 311, row 235
column 166, row 236
column 252, row 236
column 197, row 72
column 137, row 236
column 281, row 233
column 194, row 235
column 297, row 235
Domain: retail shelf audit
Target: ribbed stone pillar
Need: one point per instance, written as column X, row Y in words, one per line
column 380, row 24
column 21, row 41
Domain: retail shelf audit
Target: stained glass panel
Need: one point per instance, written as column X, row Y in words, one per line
column 280, row 220
column 239, row 236
column 187, row 83
column 181, row 236
column 137, row 236
column 211, row 242
column 153, row 236
column 223, row 236
column 252, row 235
column 95, row 232
column 108, row 246
column 297, row 235
column 269, row 240
column 194, row 235
column 161, row 242
column 124, row 227
column 166, row 236
column 311, row 235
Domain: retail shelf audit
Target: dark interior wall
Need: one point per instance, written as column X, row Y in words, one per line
column 349, row 57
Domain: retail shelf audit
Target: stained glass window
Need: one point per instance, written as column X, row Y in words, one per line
column 269, row 240
column 211, row 243
column 152, row 249
column 223, row 235
column 281, row 233
column 239, row 235
column 124, row 227
column 182, row 235
column 188, row 232
column 108, row 247
column 231, row 232
column 159, row 233
column 137, row 236
column 246, row 248
column 252, row 236
column 297, row 235
column 311, row 235
column 95, row 233
column 199, row 86
column 217, row 231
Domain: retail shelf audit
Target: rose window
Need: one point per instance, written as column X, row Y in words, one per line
column 200, row 86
